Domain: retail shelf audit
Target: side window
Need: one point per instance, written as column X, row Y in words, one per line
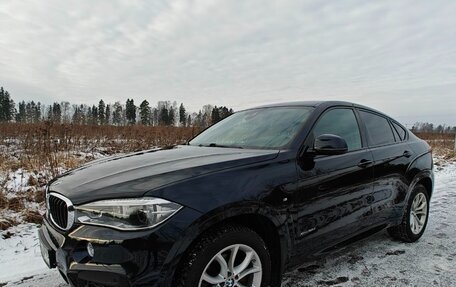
column 379, row 131
column 400, row 130
column 340, row 122
column 396, row 135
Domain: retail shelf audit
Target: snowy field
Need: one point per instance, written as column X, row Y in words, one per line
column 376, row 261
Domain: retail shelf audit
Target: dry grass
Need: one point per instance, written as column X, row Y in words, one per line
column 3, row 201
column 45, row 150
column 33, row 216
column 442, row 144
column 52, row 145
column 7, row 223
column 39, row 196
column 16, row 204
column 47, row 136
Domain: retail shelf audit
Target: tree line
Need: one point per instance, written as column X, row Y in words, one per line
column 420, row 127
column 164, row 113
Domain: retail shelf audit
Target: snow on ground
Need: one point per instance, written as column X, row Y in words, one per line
column 375, row 261
column 20, row 186
column 20, row 254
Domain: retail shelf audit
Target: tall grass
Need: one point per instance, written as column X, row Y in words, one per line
column 49, row 137
column 442, row 143
column 50, row 144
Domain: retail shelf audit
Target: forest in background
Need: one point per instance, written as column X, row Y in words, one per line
column 164, row 113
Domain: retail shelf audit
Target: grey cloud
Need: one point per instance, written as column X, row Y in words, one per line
column 235, row 53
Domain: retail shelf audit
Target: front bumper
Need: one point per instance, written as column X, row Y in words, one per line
column 139, row 258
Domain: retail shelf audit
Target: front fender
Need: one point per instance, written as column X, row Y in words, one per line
column 216, row 216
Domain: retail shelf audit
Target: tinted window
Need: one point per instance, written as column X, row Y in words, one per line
column 340, row 122
column 400, row 130
column 379, row 131
column 396, row 135
column 269, row 128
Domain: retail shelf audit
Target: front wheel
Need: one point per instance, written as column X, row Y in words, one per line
column 415, row 217
column 228, row 256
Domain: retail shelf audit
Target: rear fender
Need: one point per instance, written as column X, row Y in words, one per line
column 420, row 168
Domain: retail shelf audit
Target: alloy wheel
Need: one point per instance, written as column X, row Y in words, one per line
column 237, row 265
column 418, row 213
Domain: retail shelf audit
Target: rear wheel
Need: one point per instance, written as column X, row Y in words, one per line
column 229, row 256
column 415, row 217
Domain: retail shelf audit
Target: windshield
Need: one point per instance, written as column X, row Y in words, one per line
column 266, row 128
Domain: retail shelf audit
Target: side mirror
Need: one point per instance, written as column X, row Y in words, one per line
column 329, row 144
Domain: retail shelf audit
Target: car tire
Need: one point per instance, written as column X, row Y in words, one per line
column 411, row 230
column 206, row 257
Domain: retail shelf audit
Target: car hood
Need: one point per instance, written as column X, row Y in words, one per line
column 134, row 174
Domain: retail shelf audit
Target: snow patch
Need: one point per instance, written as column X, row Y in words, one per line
column 20, row 254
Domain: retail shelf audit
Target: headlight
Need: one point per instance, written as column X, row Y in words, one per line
column 126, row 214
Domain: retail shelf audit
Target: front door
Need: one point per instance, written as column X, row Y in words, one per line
column 334, row 192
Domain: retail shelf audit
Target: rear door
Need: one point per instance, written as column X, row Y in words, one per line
column 332, row 199
column 392, row 156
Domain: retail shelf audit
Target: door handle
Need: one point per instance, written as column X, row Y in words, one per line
column 407, row 154
column 365, row 163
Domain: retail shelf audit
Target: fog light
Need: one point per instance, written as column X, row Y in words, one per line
column 90, row 249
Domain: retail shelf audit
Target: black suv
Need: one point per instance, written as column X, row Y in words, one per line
column 252, row 196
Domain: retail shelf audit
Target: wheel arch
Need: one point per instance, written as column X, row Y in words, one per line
column 420, row 171
column 427, row 182
column 269, row 233
column 426, row 178
column 400, row 230
column 262, row 219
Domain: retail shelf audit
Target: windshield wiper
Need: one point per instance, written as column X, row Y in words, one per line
column 218, row 145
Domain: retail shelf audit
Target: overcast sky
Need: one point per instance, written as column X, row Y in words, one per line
column 396, row 56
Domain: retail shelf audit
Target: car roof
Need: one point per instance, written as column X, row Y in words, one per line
column 324, row 104
column 314, row 104
column 292, row 104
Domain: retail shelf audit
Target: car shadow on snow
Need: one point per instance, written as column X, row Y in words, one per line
column 347, row 264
